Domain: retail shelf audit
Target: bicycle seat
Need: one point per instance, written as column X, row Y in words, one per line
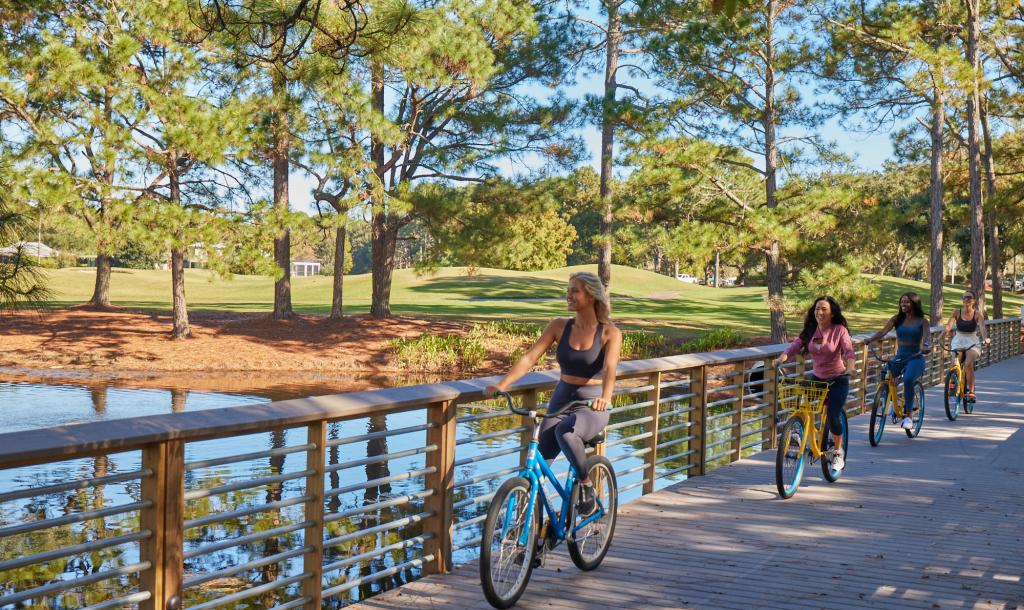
column 597, row 440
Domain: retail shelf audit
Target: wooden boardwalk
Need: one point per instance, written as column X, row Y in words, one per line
column 933, row 522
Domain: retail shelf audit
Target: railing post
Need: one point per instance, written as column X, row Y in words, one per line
column 442, row 481
column 165, row 518
column 654, row 412
column 864, row 377
column 698, row 419
column 771, row 401
column 526, row 436
column 737, row 418
column 312, row 561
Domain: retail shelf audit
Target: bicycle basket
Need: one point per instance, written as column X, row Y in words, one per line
column 812, row 391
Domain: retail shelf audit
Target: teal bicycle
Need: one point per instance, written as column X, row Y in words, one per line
column 518, row 532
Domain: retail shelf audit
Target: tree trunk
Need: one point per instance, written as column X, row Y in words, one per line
column 718, row 269
column 994, row 251
column 280, row 162
column 935, row 267
column 384, row 236
column 383, row 233
column 608, row 120
column 974, row 154
column 773, row 262
column 101, row 291
column 339, row 274
column 179, row 307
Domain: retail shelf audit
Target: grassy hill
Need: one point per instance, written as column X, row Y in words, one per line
column 639, row 298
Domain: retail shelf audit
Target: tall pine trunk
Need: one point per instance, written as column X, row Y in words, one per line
column 383, row 232
column 608, row 114
column 936, row 269
column 994, row 251
column 101, row 290
column 280, row 163
column 179, row 307
column 773, row 262
column 337, row 295
column 974, row 154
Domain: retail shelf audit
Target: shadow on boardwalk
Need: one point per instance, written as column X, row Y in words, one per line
column 931, row 522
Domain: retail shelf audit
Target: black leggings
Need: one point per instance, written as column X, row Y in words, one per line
column 836, row 399
column 570, row 429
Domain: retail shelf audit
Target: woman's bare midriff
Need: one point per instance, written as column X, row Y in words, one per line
column 574, row 380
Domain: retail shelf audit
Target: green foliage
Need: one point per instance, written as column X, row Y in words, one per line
column 438, row 352
column 20, row 279
column 709, row 341
column 138, row 255
column 496, row 224
column 841, row 280
column 640, row 345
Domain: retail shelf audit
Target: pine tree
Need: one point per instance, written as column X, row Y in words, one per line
column 735, row 78
column 182, row 137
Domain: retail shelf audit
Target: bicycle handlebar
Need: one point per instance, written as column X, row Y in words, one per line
column 533, row 413
column 885, row 360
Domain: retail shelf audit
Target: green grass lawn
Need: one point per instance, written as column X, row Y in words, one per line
column 493, row 293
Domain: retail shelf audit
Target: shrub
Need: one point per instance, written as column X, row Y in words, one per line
column 638, row 345
column 438, row 352
column 719, row 338
column 840, row 280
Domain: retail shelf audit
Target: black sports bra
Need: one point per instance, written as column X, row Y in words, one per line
column 966, row 326
column 580, row 363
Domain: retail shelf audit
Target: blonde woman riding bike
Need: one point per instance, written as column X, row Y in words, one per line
column 588, row 356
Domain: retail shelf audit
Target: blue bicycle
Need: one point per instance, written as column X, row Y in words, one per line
column 516, row 533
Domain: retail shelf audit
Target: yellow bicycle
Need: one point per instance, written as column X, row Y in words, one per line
column 801, row 440
column 888, row 403
column 955, row 389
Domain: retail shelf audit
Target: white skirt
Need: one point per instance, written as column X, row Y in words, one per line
column 965, row 341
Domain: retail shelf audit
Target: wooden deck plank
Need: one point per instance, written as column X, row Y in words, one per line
column 932, row 522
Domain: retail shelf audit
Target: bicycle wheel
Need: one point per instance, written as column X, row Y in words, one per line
column 951, row 395
column 879, row 413
column 832, row 475
column 589, row 538
column 505, row 561
column 789, row 460
column 918, row 415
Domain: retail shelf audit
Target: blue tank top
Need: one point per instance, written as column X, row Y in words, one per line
column 908, row 338
column 580, row 363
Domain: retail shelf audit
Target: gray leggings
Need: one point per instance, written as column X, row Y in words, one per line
column 568, row 430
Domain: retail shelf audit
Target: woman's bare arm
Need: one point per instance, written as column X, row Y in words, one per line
column 530, row 358
column 612, row 352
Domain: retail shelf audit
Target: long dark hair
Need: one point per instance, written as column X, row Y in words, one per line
column 915, row 308
column 811, row 324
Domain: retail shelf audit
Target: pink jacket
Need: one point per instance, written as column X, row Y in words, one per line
column 827, row 350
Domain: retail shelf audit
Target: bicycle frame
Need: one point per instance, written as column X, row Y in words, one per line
column 811, row 440
column 536, row 470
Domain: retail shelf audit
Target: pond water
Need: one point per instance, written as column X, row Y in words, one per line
column 482, row 450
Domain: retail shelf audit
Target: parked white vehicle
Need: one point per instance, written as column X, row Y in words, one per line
column 686, row 277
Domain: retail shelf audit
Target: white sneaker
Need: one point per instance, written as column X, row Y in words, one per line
column 838, row 463
column 907, row 423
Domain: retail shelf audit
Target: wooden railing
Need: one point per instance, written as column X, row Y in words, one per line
column 152, row 526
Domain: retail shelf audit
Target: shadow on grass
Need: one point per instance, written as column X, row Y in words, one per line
column 492, row 286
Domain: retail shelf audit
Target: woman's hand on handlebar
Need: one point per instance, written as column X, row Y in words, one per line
column 493, row 390
column 600, row 404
